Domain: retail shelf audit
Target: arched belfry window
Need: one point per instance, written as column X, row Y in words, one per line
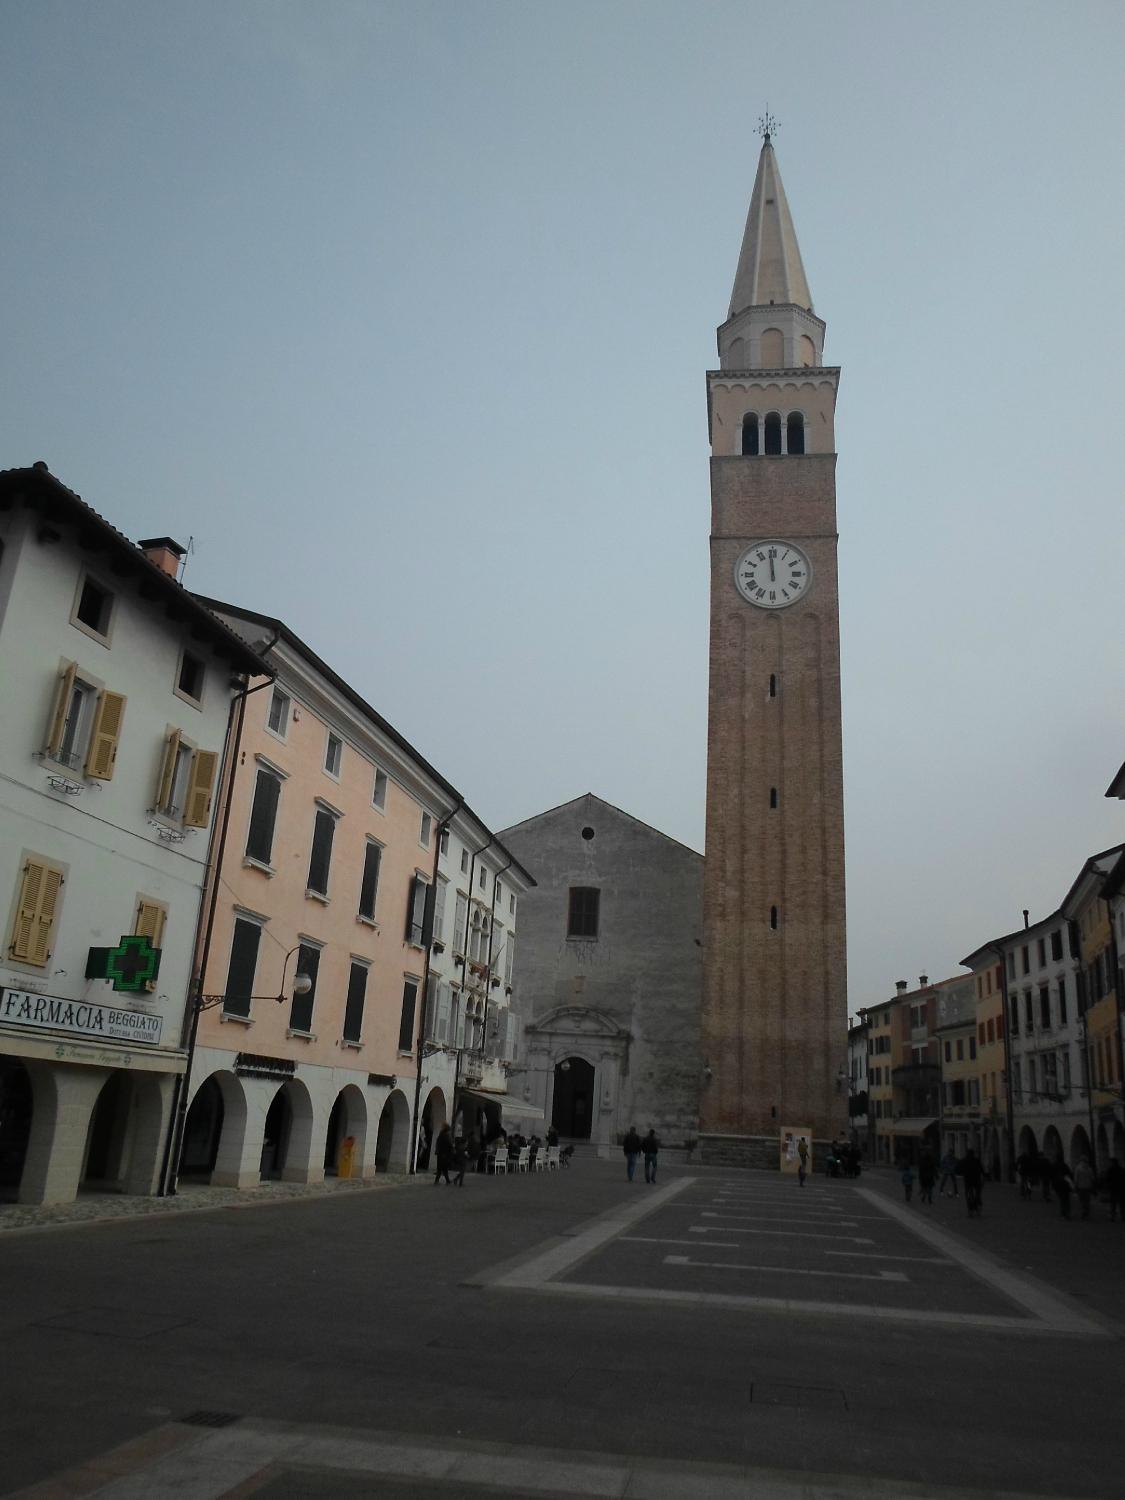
column 795, row 432
column 750, row 444
column 773, row 433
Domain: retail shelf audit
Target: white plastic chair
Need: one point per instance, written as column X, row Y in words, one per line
column 552, row 1162
column 523, row 1164
column 500, row 1161
column 537, row 1161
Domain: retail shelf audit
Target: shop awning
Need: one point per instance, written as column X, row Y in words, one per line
column 912, row 1126
column 513, row 1108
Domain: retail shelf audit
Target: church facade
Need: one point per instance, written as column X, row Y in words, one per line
column 774, row 1014
column 610, row 973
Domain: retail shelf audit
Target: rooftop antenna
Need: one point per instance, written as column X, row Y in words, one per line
column 188, row 550
column 767, row 125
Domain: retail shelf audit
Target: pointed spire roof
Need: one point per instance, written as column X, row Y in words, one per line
column 769, row 267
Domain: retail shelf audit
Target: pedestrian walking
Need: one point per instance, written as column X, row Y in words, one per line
column 973, row 1174
column 802, row 1160
column 908, row 1181
column 460, row 1160
column 1115, row 1185
column 1063, row 1184
column 927, row 1176
column 443, row 1154
column 632, row 1148
column 1023, row 1173
column 948, row 1174
column 651, row 1148
column 1085, row 1181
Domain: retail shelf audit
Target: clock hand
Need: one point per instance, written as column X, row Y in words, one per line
column 771, row 570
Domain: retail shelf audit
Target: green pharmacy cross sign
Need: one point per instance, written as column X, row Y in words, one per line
column 132, row 965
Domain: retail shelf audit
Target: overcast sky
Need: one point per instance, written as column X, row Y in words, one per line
column 402, row 312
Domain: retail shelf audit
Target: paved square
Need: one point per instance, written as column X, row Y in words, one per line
column 769, row 1245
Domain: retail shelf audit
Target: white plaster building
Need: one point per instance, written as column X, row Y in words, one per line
column 117, row 689
column 472, row 1028
column 1045, row 1084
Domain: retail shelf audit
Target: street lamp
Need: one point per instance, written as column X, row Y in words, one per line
column 302, row 984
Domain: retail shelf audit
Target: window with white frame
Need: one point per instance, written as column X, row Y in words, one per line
column 379, row 793
column 333, row 754
column 425, row 828
column 93, row 609
column 439, row 909
column 277, row 721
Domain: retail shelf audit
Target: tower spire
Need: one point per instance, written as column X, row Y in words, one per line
column 769, row 267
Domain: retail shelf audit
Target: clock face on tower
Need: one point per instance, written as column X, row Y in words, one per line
column 773, row 574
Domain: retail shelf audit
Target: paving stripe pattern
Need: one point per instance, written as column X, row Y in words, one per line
column 557, row 1269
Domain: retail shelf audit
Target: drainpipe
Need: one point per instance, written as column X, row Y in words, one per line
column 441, row 828
column 174, row 1141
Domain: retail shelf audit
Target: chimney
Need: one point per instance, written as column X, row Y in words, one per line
column 901, row 986
column 164, row 552
column 923, row 981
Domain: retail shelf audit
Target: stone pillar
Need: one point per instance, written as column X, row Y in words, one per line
column 152, row 1096
column 64, row 1099
column 239, row 1160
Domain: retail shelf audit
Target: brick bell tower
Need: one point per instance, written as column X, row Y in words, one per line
column 774, row 1027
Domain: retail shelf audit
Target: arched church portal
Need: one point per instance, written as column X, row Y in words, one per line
column 573, row 1110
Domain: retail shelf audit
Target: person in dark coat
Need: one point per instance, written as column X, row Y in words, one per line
column 1115, row 1186
column 552, row 1136
column 460, row 1159
column 972, row 1174
column 1063, row 1184
column 631, row 1145
column 927, row 1176
column 443, row 1154
column 650, row 1146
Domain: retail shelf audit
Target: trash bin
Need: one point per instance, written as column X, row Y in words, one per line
column 345, row 1156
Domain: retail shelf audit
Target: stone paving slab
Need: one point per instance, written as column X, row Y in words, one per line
column 96, row 1208
column 277, row 1459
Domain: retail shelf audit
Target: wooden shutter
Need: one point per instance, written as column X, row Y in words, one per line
column 167, row 771
column 57, row 727
column 150, row 921
column 201, row 783
column 35, row 912
column 441, row 1033
column 150, row 924
column 104, row 736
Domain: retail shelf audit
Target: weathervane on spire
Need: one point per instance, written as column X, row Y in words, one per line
column 767, row 125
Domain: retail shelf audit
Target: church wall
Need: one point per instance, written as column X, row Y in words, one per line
column 644, row 970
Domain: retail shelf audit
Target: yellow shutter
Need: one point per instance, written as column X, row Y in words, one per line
column 201, row 783
column 104, row 735
column 62, row 702
column 150, row 921
column 168, row 771
column 150, row 924
column 35, row 913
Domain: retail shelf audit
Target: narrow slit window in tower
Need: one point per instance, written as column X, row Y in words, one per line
column 773, row 796
column 773, row 433
column 773, row 917
column 795, row 433
column 750, row 448
column 773, row 685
